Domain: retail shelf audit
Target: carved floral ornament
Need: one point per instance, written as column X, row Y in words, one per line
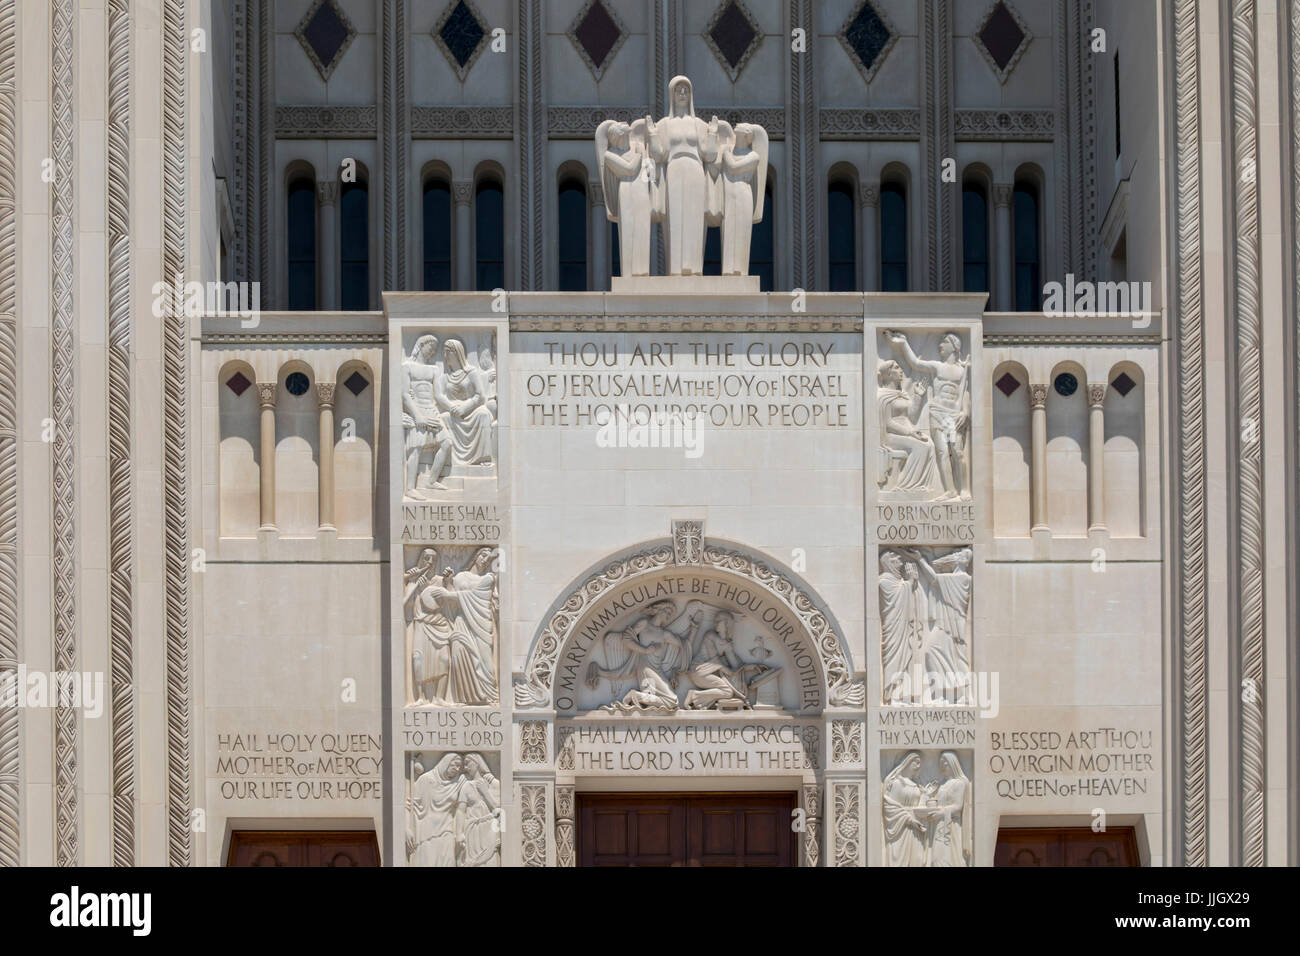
column 809, row 625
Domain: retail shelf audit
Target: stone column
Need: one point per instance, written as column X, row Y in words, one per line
column 599, row 237
column 327, row 216
column 325, row 477
column 266, row 400
column 462, row 194
column 1038, row 466
column 1004, row 256
column 1096, row 456
column 565, row 842
column 869, row 200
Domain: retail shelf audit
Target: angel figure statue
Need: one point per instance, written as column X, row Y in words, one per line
column 632, row 195
column 742, row 182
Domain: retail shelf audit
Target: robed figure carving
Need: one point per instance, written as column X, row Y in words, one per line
column 684, row 145
column 633, row 197
column 742, row 183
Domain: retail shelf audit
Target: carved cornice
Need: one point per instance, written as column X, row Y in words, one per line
column 1031, row 126
column 325, row 122
column 10, row 750
column 580, row 122
column 463, row 122
column 292, row 338
column 1067, row 338
column 842, row 690
column 700, row 322
column 877, row 124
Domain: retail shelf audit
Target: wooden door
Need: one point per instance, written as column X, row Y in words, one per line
column 1066, row 846
column 715, row 829
column 303, row 848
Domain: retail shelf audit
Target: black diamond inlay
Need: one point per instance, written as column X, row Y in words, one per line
column 1002, row 36
column 1007, row 384
column 462, row 33
column 327, row 33
column 598, row 33
column 733, row 34
column 1123, row 384
column 867, row 35
column 355, row 383
column 1066, row 385
column 238, row 384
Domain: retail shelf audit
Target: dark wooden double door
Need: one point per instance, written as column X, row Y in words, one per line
column 303, row 848
column 1066, row 846
column 686, row 829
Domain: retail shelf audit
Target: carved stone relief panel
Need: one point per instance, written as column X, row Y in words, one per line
column 923, row 406
column 925, row 626
column 451, row 610
column 448, row 386
column 926, row 801
column 453, row 809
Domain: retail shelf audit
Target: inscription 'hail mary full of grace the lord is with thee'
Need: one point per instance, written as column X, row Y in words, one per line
column 782, row 383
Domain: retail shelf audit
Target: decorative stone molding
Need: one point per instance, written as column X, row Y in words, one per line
column 812, row 746
column 803, row 124
column 532, row 741
column 530, row 145
column 462, row 193
column 596, row 193
column 565, row 843
column 875, row 124
column 770, row 118
column 1038, row 395
column 1096, row 394
column 869, row 195
column 533, row 689
column 263, row 339
column 1002, row 195
column 1028, row 126
column 533, row 823
column 10, row 749
column 266, row 392
column 325, row 122
column 325, row 394
column 846, row 741
column 1062, row 338
column 577, row 122
column 812, row 834
column 462, row 122
column 176, row 436
column 688, row 542
column 698, row 322
column 327, row 192
column 848, row 824
column 121, row 543
column 63, row 483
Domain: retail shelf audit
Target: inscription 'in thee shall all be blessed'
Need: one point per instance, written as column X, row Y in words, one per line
column 755, row 384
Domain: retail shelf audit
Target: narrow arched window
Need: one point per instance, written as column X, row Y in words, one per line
column 572, row 222
column 354, row 247
column 437, row 236
column 893, row 238
column 761, row 248
column 1026, row 242
column 841, row 244
column 489, row 236
column 974, row 238
column 302, row 244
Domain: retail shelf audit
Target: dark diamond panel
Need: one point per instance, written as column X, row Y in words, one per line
column 462, row 33
column 1007, row 384
column 238, row 384
column 597, row 33
column 867, row 35
column 355, row 383
column 1002, row 36
column 326, row 32
column 733, row 33
column 1123, row 384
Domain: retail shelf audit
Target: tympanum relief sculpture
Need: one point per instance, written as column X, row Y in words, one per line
column 453, row 807
column 452, row 627
column 449, row 412
column 662, row 660
column 924, row 407
column 928, row 819
column 685, row 174
column 925, row 626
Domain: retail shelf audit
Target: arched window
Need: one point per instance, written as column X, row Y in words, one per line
column 893, row 237
column 1029, row 288
column 437, row 235
column 572, row 221
column 302, row 243
column 761, row 244
column 354, row 247
column 974, row 238
column 842, row 275
column 489, row 236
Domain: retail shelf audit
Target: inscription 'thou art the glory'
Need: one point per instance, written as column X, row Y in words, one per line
column 758, row 384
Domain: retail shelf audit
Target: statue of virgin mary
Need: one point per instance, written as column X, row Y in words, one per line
column 684, row 145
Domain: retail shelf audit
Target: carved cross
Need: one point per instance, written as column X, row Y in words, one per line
column 688, row 542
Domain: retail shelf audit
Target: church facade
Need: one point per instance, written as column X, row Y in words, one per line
column 611, row 432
